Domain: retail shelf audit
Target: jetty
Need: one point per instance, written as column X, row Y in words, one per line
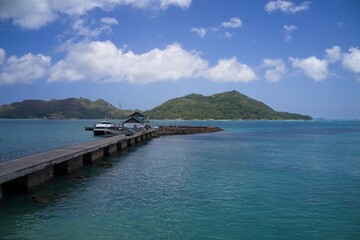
column 28, row 173
column 182, row 130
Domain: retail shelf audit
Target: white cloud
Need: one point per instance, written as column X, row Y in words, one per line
column 230, row 70
column 234, row 22
column 201, row 32
column 333, row 54
column 288, row 29
column 277, row 71
column 110, row 21
column 167, row 3
column 34, row 14
column 29, row 14
column 2, row 56
column 286, row 6
column 228, row 34
column 104, row 62
column 313, row 67
column 24, row 69
column 351, row 60
column 82, row 29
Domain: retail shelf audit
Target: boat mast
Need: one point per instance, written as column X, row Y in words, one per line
column 120, row 113
column 120, row 109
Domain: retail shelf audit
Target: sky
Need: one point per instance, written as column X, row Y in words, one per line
column 295, row 56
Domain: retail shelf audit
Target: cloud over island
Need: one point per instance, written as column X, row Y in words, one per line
column 104, row 62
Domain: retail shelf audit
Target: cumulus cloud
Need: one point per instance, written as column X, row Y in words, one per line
column 351, row 60
column 110, row 21
column 234, row 22
column 201, row 32
column 230, row 70
column 30, row 14
column 313, row 67
column 167, row 3
column 80, row 27
column 276, row 70
column 286, row 6
column 333, row 54
column 24, row 69
column 288, row 29
column 104, row 62
column 34, row 14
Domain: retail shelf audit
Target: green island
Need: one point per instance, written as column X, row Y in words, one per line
column 223, row 106
column 228, row 105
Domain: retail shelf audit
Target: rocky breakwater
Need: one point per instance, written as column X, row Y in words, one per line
column 180, row 130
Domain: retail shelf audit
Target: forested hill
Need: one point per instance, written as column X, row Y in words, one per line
column 227, row 105
column 69, row 108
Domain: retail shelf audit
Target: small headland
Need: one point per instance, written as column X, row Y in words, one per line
column 182, row 130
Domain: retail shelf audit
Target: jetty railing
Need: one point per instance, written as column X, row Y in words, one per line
column 8, row 156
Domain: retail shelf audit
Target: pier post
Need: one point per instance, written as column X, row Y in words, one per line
column 31, row 181
column 91, row 157
column 138, row 139
column 121, row 145
column 36, row 179
column 110, row 149
column 69, row 166
column 131, row 141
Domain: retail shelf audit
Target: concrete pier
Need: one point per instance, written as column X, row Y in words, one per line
column 28, row 173
column 91, row 157
column 111, row 149
column 69, row 166
column 131, row 142
column 122, row 145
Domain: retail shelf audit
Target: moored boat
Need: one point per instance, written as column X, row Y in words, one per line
column 103, row 128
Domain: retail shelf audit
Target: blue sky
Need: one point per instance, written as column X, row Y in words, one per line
column 295, row 56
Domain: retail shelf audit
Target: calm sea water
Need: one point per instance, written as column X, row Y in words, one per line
column 255, row 180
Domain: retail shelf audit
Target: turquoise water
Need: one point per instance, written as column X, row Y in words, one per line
column 255, row 180
column 25, row 137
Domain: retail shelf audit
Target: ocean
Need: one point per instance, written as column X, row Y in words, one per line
column 254, row 180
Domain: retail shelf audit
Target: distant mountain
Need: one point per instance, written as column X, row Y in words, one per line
column 227, row 105
column 79, row 108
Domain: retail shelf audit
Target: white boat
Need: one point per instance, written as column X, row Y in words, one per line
column 103, row 128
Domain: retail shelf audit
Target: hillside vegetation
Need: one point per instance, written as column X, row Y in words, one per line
column 227, row 105
column 78, row 108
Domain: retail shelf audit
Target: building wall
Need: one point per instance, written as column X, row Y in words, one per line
column 131, row 125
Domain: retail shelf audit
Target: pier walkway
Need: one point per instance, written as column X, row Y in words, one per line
column 27, row 173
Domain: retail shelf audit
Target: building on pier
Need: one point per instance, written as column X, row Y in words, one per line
column 136, row 121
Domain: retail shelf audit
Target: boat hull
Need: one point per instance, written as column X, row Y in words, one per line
column 100, row 132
